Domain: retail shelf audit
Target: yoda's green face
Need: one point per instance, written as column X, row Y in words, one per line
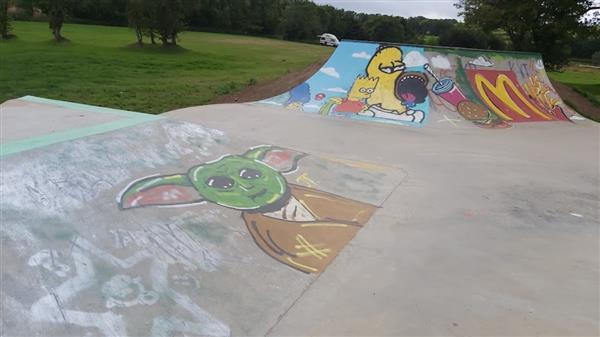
column 238, row 182
column 252, row 182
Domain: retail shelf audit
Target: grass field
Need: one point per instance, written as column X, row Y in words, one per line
column 100, row 67
column 584, row 80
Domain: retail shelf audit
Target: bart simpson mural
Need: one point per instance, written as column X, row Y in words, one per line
column 361, row 90
column 301, row 227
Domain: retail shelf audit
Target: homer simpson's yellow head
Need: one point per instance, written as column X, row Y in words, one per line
column 363, row 87
column 386, row 62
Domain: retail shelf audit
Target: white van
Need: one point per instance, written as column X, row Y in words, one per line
column 328, row 40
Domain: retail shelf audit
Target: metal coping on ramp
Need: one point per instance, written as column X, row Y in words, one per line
column 430, row 47
column 126, row 119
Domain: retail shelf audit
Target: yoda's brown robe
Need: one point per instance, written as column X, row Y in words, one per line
column 311, row 241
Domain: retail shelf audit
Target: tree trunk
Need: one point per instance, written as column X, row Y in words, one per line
column 56, row 33
column 138, row 33
column 4, row 26
column 152, row 37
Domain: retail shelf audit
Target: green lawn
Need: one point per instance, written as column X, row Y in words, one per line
column 100, row 67
column 584, row 80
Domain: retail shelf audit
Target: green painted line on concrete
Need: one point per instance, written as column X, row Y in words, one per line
column 59, row 137
column 128, row 118
column 85, row 107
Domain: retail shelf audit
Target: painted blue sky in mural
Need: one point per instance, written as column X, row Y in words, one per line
column 338, row 74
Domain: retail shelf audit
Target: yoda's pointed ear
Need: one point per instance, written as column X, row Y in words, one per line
column 168, row 190
column 283, row 160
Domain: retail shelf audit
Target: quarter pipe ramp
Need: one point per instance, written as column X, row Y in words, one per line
column 408, row 84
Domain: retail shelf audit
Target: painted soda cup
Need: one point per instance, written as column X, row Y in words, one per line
column 446, row 89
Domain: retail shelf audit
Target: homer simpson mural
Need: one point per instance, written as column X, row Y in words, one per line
column 387, row 66
column 365, row 81
column 301, row 227
column 386, row 93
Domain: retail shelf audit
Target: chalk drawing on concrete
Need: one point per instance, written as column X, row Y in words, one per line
column 50, row 260
column 53, row 308
column 305, row 180
column 299, row 226
column 156, row 246
column 124, row 291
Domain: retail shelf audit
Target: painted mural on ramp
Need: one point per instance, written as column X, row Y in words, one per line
column 408, row 84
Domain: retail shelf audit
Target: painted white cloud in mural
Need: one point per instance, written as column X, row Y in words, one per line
column 481, row 61
column 362, row 55
column 539, row 65
column 330, row 71
column 340, row 90
column 414, row 59
column 440, row 62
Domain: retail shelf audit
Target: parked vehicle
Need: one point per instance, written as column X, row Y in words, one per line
column 328, row 40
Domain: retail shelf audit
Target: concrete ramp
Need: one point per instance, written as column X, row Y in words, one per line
column 417, row 86
column 254, row 219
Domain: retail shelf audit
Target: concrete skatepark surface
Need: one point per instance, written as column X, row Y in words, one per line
column 117, row 223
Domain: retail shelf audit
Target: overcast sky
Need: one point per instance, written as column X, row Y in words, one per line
column 434, row 9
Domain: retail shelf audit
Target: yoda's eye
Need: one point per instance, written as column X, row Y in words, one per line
column 220, row 182
column 249, row 173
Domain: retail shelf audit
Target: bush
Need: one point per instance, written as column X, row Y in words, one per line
column 496, row 42
column 5, row 27
column 596, row 57
column 585, row 47
column 466, row 37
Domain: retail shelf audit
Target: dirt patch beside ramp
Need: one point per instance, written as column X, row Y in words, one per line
column 272, row 88
column 581, row 104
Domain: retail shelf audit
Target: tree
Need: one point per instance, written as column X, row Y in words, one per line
column 546, row 26
column 301, row 21
column 5, row 27
column 137, row 18
column 111, row 12
column 385, row 28
column 28, row 7
column 464, row 36
column 164, row 19
column 57, row 11
column 169, row 20
column 596, row 57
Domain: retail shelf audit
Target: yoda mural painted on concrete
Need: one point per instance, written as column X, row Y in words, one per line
column 301, row 227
